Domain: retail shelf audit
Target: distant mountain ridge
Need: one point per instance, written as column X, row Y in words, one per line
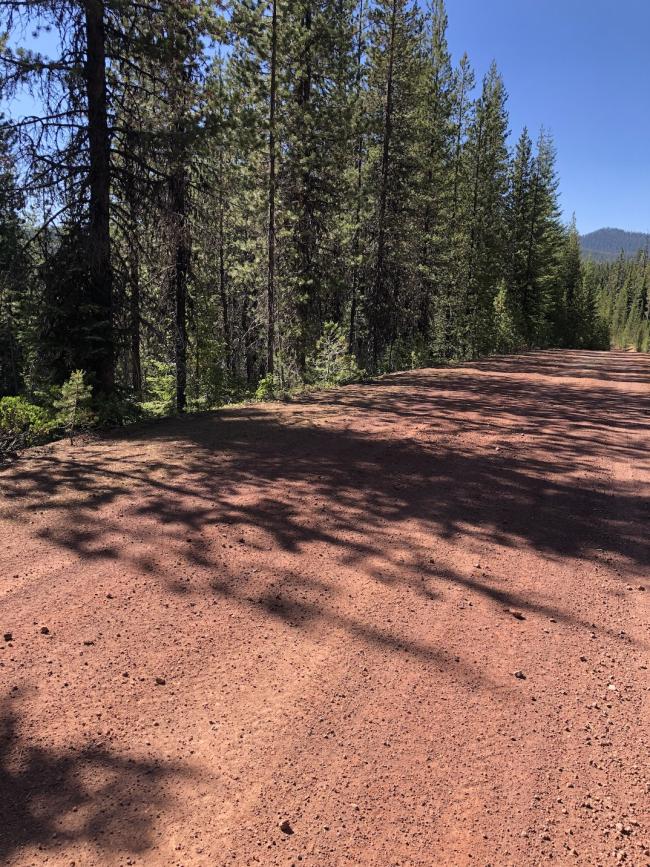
column 603, row 245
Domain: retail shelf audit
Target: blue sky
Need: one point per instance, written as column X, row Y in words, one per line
column 581, row 68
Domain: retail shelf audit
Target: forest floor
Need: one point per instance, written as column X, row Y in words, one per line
column 409, row 619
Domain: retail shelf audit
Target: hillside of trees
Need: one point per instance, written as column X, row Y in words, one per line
column 604, row 245
column 210, row 205
column 621, row 292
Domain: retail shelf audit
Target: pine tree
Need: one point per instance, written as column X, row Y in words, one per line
column 486, row 155
column 74, row 404
column 450, row 303
column 244, row 157
column 395, row 80
column 359, row 193
column 317, row 135
column 14, row 271
column 59, row 158
column 535, row 241
column 272, row 190
column 519, row 219
column 572, row 318
column 437, row 151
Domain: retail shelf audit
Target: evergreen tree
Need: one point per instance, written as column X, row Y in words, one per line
column 572, row 319
column 74, row 404
column 317, row 136
column 450, row 302
column 14, row 275
column 395, row 81
column 487, row 158
column 67, row 147
column 535, row 241
column 436, row 195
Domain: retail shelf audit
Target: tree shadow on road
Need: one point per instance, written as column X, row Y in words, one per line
column 613, row 366
column 352, row 470
column 87, row 795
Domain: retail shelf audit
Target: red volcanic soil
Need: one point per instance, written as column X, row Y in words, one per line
column 403, row 623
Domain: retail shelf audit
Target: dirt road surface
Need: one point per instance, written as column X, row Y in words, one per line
column 403, row 623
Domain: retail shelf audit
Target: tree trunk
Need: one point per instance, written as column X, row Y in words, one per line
column 178, row 196
column 527, row 289
column 270, row 292
column 223, row 293
column 471, row 303
column 250, row 355
column 135, row 322
column 356, row 275
column 383, row 190
column 99, row 178
column 305, row 228
column 136, row 363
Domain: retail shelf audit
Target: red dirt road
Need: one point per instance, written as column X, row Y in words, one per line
column 335, row 595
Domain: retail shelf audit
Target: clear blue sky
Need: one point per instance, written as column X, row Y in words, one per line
column 581, row 68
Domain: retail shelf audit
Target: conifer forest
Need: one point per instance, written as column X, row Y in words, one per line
column 204, row 204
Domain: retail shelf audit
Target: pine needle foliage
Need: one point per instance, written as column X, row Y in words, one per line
column 74, row 405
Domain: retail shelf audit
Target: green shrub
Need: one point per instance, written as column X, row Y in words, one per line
column 18, row 414
column 22, row 424
column 268, row 387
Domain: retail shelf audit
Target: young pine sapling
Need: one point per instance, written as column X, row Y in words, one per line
column 74, row 404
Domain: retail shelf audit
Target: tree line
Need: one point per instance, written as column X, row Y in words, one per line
column 621, row 290
column 210, row 203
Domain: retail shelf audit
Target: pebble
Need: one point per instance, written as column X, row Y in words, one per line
column 160, row 681
column 520, row 675
column 45, row 630
column 285, row 827
column 8, row 636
